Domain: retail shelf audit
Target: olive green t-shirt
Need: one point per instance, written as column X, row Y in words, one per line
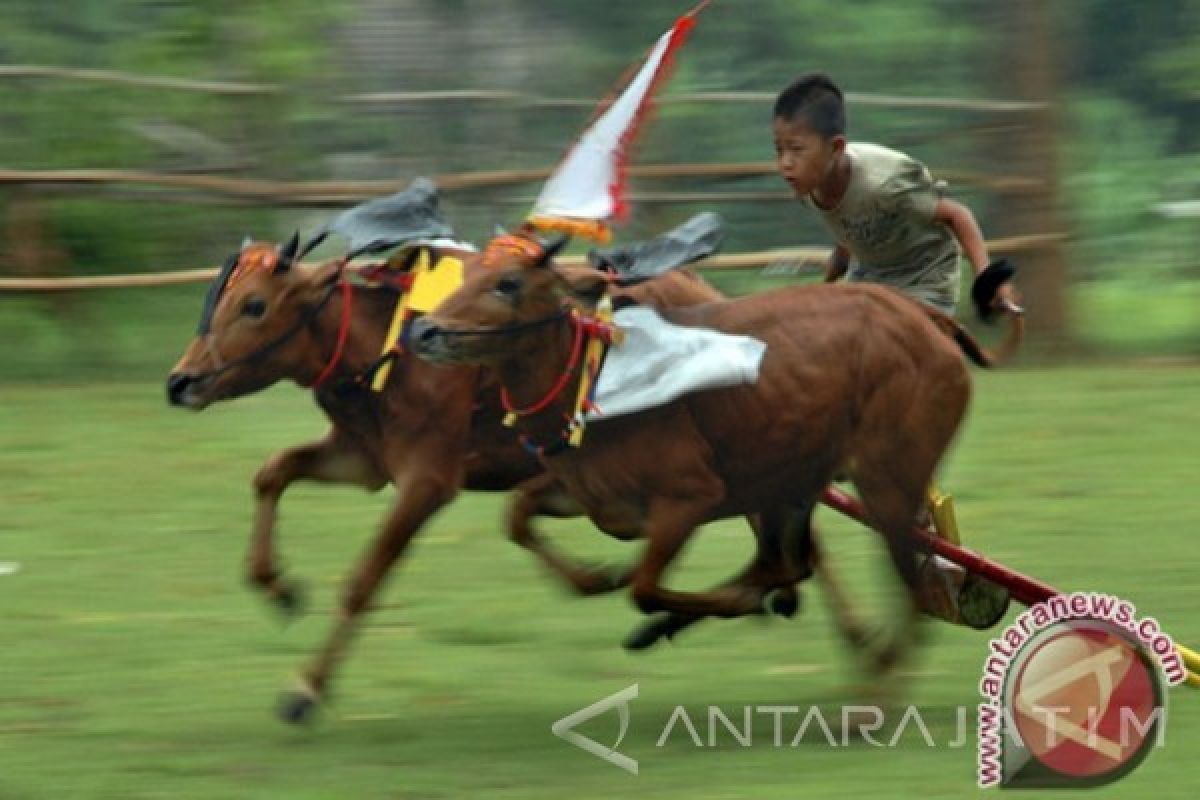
column 886, row 221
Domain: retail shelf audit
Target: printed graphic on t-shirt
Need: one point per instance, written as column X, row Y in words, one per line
column 871, row 231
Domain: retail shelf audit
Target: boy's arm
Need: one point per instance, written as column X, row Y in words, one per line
column 839, row 262
column 966, row 230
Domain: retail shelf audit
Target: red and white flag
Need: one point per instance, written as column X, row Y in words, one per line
column 588, row 188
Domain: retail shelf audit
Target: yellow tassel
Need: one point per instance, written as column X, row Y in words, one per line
column 576, row 437
column 510, row 419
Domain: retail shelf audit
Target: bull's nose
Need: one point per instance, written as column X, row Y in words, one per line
column 423, row 334
column 177, row 383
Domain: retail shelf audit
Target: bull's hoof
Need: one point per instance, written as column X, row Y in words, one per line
column 784, row 601
column 297, row 707
column 649, row 633
column 290, row 599
column 888, row 657
column 857, row 636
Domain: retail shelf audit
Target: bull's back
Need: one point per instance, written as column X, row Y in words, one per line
column 829, row 347
column 680, row 288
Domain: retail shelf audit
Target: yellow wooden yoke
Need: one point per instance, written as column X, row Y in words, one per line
column 432, row 283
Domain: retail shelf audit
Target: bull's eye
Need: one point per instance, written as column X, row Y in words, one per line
column 255, row 307
column 507, row 287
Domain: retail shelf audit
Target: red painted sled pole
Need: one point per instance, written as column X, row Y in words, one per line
column 1024, row 589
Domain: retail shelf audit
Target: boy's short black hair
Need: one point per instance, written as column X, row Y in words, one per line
column 817, row 100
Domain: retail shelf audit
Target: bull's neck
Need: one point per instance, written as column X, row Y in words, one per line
column 370, row 316
column 536, row 371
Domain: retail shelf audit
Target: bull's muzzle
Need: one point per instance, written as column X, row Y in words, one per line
column 181, row 390
column 426, row 340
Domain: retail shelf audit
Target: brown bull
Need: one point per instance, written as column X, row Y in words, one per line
column 856, row 381
column 431, row 432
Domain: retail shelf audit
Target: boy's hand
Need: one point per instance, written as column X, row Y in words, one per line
column 992, row 290
column 838, row 264
column 1007, row 299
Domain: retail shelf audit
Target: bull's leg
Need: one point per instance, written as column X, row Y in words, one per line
column 891, row 508
column 803, row 555
column 781, row 600
column 669, row 525
column 845, row 618
column 770, row 572
column 330, row 459
column 544, row 496
column 904, row 429
column 417, row 500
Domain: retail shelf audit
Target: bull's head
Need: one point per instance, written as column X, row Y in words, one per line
column 508, row 307
column 256, row 327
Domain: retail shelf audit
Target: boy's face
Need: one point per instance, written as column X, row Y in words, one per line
column 804, row 157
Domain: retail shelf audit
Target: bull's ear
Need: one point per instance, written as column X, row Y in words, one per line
column 312, row 244
column 584, row 284
column 552, row 248
column 287, row 254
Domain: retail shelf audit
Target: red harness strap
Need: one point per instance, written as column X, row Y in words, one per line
column 387, row 276
column 343, row 333
column 556, row 390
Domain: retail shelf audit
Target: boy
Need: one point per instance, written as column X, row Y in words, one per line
column 881, row 206
column 884, row 210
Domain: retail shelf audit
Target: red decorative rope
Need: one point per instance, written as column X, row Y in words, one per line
column 388, row 277
column 556, row 390
column 343, row 333
column 595, row 328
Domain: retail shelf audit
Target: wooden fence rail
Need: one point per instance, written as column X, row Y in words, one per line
column 791, row 258
column 73, row 74
column 323, row 194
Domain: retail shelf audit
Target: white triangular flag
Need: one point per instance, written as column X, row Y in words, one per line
column 588, row 188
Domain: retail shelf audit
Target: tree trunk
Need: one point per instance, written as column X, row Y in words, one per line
column 1026, row 69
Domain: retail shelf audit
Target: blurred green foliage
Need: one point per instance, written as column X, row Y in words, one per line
column 1129, row 96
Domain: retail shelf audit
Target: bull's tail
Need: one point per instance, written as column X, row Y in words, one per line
column 971, row 348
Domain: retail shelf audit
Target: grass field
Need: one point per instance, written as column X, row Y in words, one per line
column 135, row 665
